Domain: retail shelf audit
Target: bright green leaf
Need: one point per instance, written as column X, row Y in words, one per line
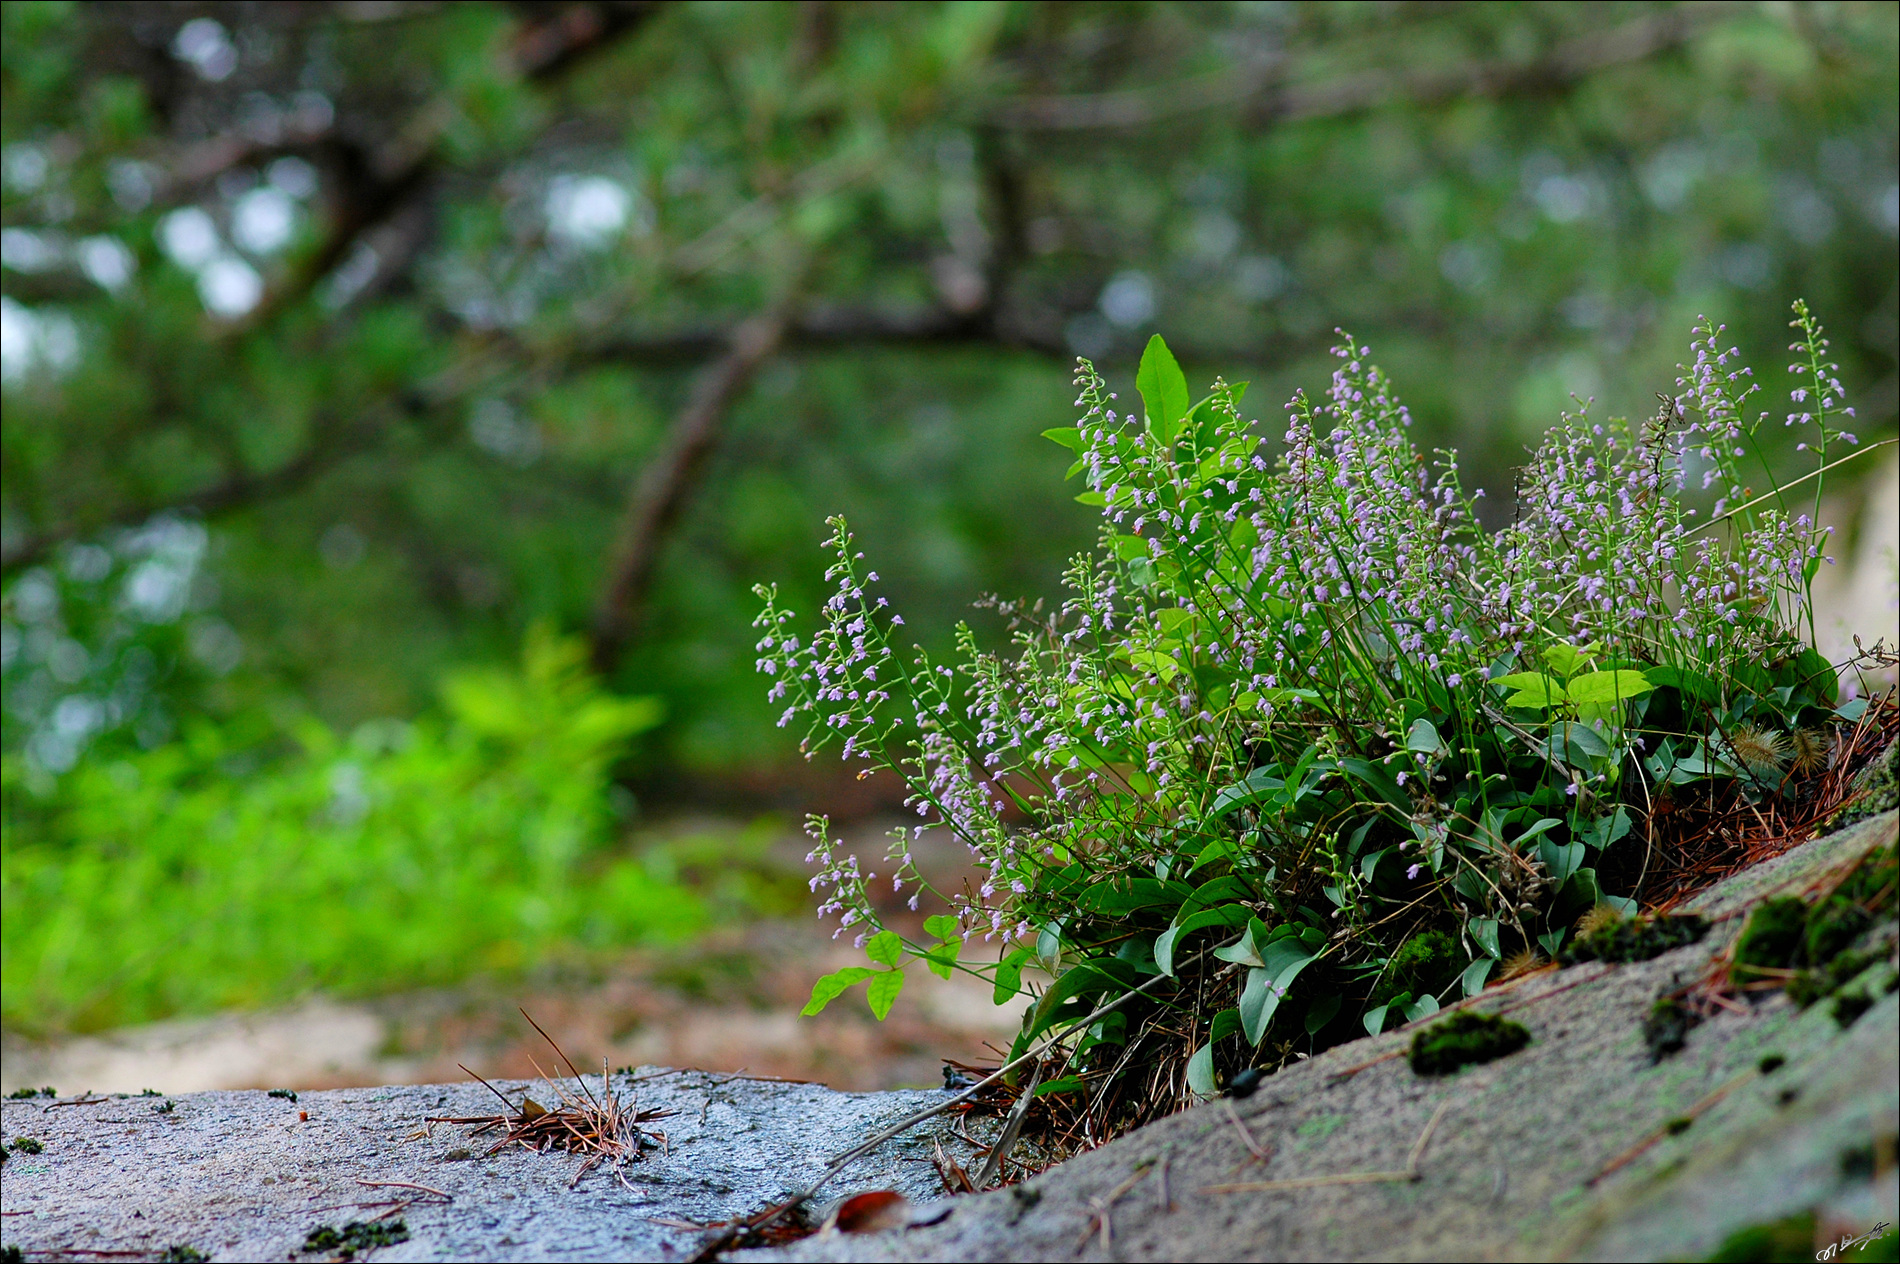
column 832, row 986
column 1608, row 686
column 1009, row 975
column 886, row 948
column 882, row 994
column 1163, row 387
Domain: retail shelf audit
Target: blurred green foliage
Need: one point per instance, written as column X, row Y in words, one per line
column 338, row 337
column 207, row 873
column 468, row 257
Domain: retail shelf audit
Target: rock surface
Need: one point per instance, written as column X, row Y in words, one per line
column 242, row 1176
column 1515, row 1167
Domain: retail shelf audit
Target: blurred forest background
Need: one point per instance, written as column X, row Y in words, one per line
column 401, row 398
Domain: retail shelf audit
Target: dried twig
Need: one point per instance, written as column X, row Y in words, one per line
column 1104, row 1204
column 444, row 1195
column 1012, row 1128
column 1246, row 1136
column 1669, row 1129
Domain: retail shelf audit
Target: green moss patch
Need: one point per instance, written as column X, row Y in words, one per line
column 356, row 1236
column 1667, row 1026
column 1771, row 939
column 1465, row 1039
column 1425, row 963
column 1790, row 1238
column 1817, row 941
column 1635, row 938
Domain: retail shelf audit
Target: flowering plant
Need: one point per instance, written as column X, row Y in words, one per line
column 1307, row 740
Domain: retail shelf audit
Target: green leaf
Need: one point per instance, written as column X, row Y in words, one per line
column 832, row 986
column 1200, row 1072
column 1321, row 1012
column 1478, row 971
column 1069, row 437
column 1561, row 859
column 1541, row 825
column 1374, row 1019
column 1424, row 1007
column 1266, row 988
column 1534, row 690
column 1218, row 850
column 1067, row 1084
column 1608, row 829
column 1009, row 975
column 1380, row 780
column 1249, row 951
column 882, row 994
column 1099, row 975
column 942, row 959
column 886, row 948
column 1141, row 570
column 1423, row 738
column 1163, row 387
column 1259, row 785
column 1225, row 1024
column 1695, row 686
column 1127, row 895
column 1608, row 686
column 942, row 926
column 1566, row 659
column 1049, row 947
column 1226, row 915
column 1552, row 941
column 1484, row 930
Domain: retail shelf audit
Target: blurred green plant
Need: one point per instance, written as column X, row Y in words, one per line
column 235, row 868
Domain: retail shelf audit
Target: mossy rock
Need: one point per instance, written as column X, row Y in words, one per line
column 1785, row 932
column 1772, row 939
column 1666, row 1028
column 1465, row 1039
column 1635, row 938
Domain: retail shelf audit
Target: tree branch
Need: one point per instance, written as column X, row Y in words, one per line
column 377, row 188
column 835, row 325
column 1263, row 87
column 234, row 492
column 1573, row 59
column 666, row 483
